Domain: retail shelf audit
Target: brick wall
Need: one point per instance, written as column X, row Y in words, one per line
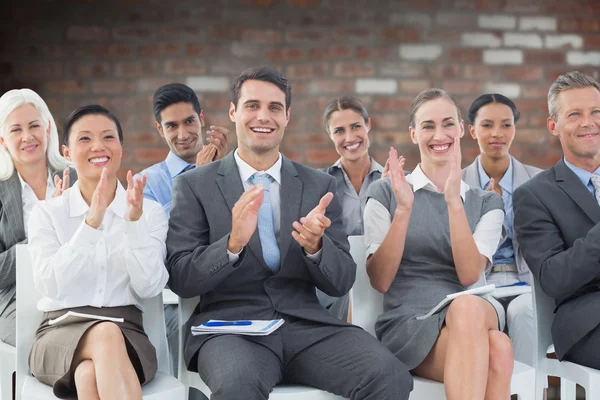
column 116, row 53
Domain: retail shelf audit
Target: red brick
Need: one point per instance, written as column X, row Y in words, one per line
column 476, row 72
column 536, row 121
column 143, row 138
column 131, row 103
column 308, row 140
column 215, row 102
column 353, row 69
column 260, row 3
column 524, row 73
column 465, row 55
column 66, row 87
column 40, row 70
column 592, row 42
column 179, row 31
column 225, row 32
column 544, row 57
column 348, row 35
column 151, row 84
column 112, row 51
column 133, row 32
column 89, row 70
column 304, row 71
column 160, row 49
column 150, row 156
column 265, row 36
column 441, row 71
column 462, row 87
column 321, row 156
column 577, row 25
column 534, row 135
column 412, row 86
column 135, row 68
column 401, row 34
column 532, row 106
column 330, row 52
column 113, row 87
column 534, row 92
column 384, row 121
column 393, row 139
column 184, row 67
column 333, row 87
column 87, row 33
column 285, row 54
column 304, row 3
column 522, row 6
column 379, row 53
column 199, row 50
column 398, row 104
column 305, row 36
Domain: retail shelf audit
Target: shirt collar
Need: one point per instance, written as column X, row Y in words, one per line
column 375, row 166
column 24, row 184
column 78, row 206
column 506, row 183
column 419, row 181
column 246, row 171
column 582, row 174
column 175, row 164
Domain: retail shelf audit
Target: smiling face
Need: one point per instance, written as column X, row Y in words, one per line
column 577, row 124
column 181, row 127
column 94, row 144
column 494, row 130
column 260, row 117
column 436, row 126
column 348, row 131
column 25, row 136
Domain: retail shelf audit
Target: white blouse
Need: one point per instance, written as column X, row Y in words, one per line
column 117, row 264
column 30, row 199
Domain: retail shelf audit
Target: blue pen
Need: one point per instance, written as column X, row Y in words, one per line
column 514, row 284
column 227, row 323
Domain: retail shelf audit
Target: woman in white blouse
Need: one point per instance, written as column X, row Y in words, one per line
column 429, row 235
column 31, row 169
column 98, row 249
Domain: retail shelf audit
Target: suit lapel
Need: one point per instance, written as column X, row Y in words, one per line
column 576, row 190
column 520, row 174
column 11, row 197
column 291, row 197
column 231, row 187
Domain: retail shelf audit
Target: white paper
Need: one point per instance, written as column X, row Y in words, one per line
column 256, row 328
column 478, row 291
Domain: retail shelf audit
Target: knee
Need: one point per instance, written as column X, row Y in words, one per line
column 85, row 375
column 501, row 354
column 236, row 379
column 467, row 313
column 391, row 378
column 106, row 336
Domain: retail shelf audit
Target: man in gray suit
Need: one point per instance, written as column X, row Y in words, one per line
column 557, row 220
column 257, row 251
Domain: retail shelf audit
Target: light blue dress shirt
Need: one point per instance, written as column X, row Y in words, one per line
column 159, row 179
column 505, row 253
column 583, row 175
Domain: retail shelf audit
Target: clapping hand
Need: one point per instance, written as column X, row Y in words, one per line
column 60, row 185
column 452, row 188
column 403, row 192
column 310, row 230
column 244, row 218
column 101, row 199
column 135, row 196
column 218, row 136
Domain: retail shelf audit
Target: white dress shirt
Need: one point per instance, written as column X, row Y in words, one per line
column 117, row 264
column 30, row 199
column 246, row 171
column 487, row 234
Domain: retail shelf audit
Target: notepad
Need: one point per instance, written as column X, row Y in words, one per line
column 72, row 316
column 478, row 291
column 510, row 291
column 253, row 328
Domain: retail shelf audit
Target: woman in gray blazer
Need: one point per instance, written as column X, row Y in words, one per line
column 492, row 119
column 31, row 169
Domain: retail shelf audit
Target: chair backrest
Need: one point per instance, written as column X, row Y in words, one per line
column 29, row 318
column 543, row 315
column 367, row 303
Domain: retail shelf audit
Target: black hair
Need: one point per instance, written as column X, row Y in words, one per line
column 92, row 109
column 265, row 74
column 173, row 93
column 489, row 98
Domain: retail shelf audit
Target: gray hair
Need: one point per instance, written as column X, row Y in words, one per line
column 570, row 80
column 9, row 102
column 428, row 95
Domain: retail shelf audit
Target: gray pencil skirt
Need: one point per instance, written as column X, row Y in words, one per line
column 54, row 347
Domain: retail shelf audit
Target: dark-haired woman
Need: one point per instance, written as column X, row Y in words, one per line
column 492, row 119
column 348, row 124
column 98, row 249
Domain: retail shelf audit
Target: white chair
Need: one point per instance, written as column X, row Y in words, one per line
column 367, row 305
column 7, row 367
column 589, row 378
column 163, row 386
column 192, row 379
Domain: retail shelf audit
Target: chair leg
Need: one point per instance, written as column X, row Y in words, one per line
column 568, row 390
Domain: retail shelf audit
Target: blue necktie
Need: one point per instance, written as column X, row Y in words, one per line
column 266, row 226
column 191, row 166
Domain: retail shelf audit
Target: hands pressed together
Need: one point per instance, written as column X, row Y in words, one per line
column 216, row 147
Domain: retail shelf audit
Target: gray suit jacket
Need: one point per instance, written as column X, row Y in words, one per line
column 199, row 228
column 12, row 232
column 557, row 222
column 521, row 174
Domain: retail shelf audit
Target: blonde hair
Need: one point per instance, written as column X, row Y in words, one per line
column 9, row 102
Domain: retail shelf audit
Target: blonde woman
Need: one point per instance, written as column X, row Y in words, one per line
column 31, row 169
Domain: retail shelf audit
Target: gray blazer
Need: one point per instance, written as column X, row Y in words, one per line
column 521, row 174
column 12, row 232
column 199, row 228
column 557, row 222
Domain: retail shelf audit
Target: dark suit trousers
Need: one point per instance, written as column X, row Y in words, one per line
column 586, row 351
column 346, row 361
